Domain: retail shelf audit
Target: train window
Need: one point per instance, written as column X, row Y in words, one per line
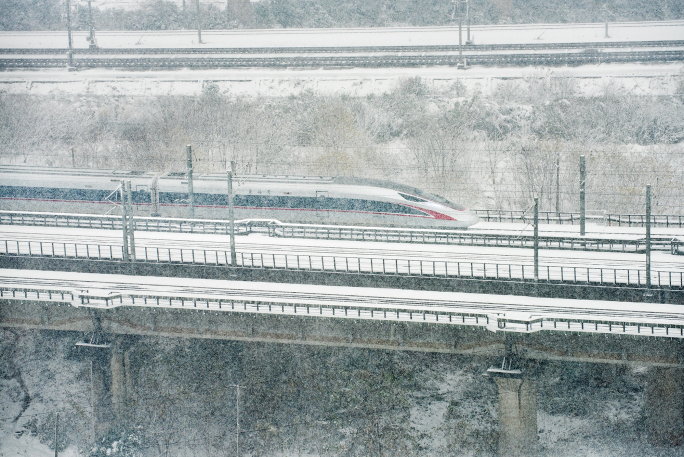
column 411, row 198
column 292, row 202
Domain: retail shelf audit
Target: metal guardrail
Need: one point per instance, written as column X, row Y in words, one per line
column 466, row 237
column 287, row 304
column 351, row 265
column 677, row 247
column 110, row 222
column 639, row 220
column 552, row 217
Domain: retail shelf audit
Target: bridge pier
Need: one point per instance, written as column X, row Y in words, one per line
column 111, row 385
column 100, row 395
column 120, row 369
column 517, row 416
column 665, row 406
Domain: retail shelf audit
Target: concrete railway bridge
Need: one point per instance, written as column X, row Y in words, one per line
column 521, row 331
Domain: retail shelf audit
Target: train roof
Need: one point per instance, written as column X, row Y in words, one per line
column 271, row 179
column 85, row 172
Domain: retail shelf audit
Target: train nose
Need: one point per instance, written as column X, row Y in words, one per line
column 473, row 218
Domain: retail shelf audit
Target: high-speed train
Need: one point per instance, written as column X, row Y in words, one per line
column 310, row 200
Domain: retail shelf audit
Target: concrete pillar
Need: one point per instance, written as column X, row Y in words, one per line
column 517, row 416
column 100, row 395
column 118, row 388
column 665, row 406
column 130, row 387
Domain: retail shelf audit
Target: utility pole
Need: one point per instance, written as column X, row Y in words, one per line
column 583, row 180
column 124, row 221
column 68, row 14
column 131, row 222
column 648, row 236
column 70, row 53
column 191, row 192
column 468, row 39
column 558, row 188
column 461, row 64
column 91, row 37
column 56, row 440
column 231, row 215
column 536, row 239
column 127, row 223
column 154, row 196
column 199, row 23
column 237, row 420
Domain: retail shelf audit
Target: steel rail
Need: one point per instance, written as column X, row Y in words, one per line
column 551, row 59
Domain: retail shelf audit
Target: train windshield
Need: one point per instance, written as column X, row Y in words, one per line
column 401, row 188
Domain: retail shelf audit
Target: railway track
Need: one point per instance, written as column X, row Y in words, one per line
column 508, row 313
column 370, row 60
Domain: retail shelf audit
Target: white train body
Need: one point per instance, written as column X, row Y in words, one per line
column 311, row 200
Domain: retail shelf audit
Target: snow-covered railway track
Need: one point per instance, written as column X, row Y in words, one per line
column 356, row 265
column 497, row 313
column 259, row 244
column 370, row 61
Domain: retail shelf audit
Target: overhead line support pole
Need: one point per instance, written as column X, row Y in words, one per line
column 56, row 437
column 199, row 23
column 460, row 35
column 91, row 37
column 583, row 180
column 191, row 192
column 648, row 236
column 558, row 188
column 124, row 220
column 237, row 420
column 468, row 39
column 231, row 215
column 536, row 239
column 131, row 223
column 68, row 17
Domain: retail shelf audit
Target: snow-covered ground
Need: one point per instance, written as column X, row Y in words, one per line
column 380, row 36
column 581, row 411
column 636, row 79
column 53, row 383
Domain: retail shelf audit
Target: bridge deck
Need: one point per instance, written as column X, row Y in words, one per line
column 494, row 312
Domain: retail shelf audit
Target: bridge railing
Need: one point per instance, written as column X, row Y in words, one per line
column 677, row 247
column 112, row 222
column 599, row 217
column 425, row 236
column 465, row 237
column 350, row 307
column 351, row 265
